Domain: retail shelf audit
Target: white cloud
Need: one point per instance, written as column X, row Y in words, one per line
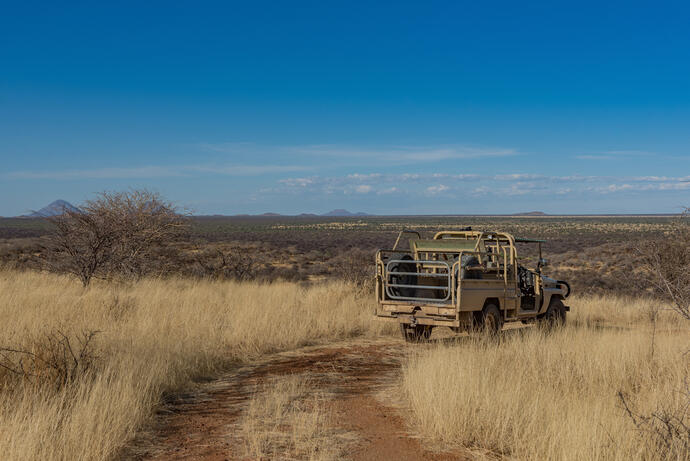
column 518, row 177
column 434, row 190
column 618, row 187
column 497, row 185
column 300, row 182
column 684, row 185
column 677, row 185
column 365, row 177
column 481, row 190
column 390, row 190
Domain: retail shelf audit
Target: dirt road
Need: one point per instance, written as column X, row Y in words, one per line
column 200, row 425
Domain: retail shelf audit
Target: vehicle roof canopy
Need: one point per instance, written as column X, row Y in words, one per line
column 484, row 235
column 444, row 245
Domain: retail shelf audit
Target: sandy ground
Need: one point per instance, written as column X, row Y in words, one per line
column 360, row 374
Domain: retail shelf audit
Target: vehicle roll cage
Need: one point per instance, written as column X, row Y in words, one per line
column 500, row 239
column 496, row 240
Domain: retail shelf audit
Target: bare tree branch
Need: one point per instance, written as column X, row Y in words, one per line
column 666, row 266
column 117, row 233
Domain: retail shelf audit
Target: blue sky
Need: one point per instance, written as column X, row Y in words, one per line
column 386, row 107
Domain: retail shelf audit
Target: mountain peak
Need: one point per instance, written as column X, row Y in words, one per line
column 530, row 213
column 55, row 208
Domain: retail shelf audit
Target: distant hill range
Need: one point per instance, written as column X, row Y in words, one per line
column 341, row 212
column 531, row 213
column 56, row 208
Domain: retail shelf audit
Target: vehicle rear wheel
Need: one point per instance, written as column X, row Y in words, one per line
column 554, row 315
column 490, row 320
column 415, row 333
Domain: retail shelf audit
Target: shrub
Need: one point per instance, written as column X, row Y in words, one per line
column 117, row 233
column 53, row 359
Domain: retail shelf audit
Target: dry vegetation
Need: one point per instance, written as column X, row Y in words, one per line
column 82, row 369
column 531, row 396
column 287, row 419
column 536, row 395
column 117, row 234
column 594, row 253
column 154, row 336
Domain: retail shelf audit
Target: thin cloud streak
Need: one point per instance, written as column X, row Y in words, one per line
column 613, row 154
column 405, row 154
column 226, row 147
column 450, row 185
column 156, row 172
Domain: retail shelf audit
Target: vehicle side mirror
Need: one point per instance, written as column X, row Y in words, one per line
column 543, row 262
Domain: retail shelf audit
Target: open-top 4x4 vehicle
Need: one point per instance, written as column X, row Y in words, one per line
column 464, row 280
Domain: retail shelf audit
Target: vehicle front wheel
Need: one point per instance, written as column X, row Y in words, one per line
column 415, row 333
column 554, row 315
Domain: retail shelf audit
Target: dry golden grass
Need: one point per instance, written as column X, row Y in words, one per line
column 532, row 395
column 286, row 419
column 535, row 395
column 156, row 336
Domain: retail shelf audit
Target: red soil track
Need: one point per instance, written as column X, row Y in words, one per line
column 199, row 425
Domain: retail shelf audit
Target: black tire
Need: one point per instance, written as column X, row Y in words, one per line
column 490, row 320
column 404, row 279
column 554, row 315
column 469, row 260
column 416, row 333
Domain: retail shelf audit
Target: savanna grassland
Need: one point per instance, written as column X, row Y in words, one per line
column 59, row 400
column 595, row 253
column 84, row 371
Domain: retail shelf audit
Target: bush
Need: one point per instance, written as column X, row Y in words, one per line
column 666, row 263
column 117, row 234
column 234, row 263
column 52, row 359
column 355, row 266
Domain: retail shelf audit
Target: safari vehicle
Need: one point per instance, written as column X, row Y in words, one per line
column 464, row 280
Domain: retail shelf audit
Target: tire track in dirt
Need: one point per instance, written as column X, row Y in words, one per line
column 199, row 425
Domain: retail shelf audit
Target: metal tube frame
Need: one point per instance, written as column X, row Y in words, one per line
column 438, row 264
